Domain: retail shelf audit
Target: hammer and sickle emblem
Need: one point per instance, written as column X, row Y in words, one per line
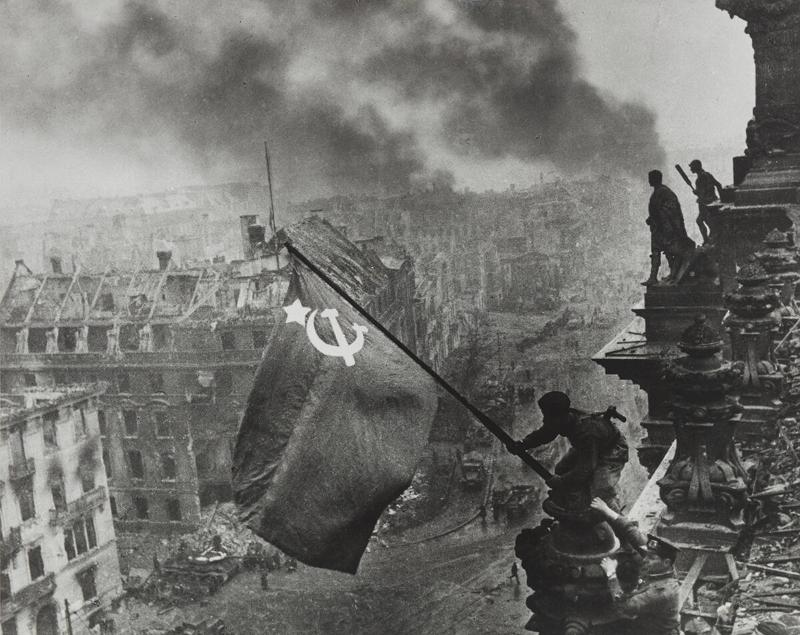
column 344, row 349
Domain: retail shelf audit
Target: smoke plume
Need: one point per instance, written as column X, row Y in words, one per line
column 353, row 95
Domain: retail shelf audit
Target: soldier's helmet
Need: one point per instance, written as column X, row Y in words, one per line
column 662, row 548
column 554, row 403
column 696, row 163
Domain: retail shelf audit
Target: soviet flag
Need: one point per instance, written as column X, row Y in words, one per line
column 335, row 424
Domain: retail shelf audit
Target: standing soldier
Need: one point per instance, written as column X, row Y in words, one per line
column 514, row 572
column 708, row 190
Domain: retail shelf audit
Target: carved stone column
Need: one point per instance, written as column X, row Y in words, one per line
column 781, row 260
column 773, row 135
column 753, row 323
column 561, row 559
column 753, row 319
column 766, row 180
column 704, row 488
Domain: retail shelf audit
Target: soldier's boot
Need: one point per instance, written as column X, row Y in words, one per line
column 703, row 229
column 655, row 265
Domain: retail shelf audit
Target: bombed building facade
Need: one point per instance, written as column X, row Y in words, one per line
column 198, row 223
column 518, row 250
column 59, row 569
column 178, row 348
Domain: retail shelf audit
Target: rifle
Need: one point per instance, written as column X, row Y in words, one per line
column 685, row 177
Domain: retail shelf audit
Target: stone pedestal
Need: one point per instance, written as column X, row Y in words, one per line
column 753, row 324
column 781, row 261
column 704, row 487
column 669, row 309
column 561, row 559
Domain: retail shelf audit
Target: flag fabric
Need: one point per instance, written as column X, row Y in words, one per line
column 335, row 424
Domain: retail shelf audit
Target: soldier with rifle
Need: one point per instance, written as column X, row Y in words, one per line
column 707, row 190
column 598, row 453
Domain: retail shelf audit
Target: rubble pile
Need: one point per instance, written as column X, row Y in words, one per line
column 217, row 520
column 769, row 588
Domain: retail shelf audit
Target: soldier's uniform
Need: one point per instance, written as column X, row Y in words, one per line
column 599, row 452
column 705, row 187
column 654, row 604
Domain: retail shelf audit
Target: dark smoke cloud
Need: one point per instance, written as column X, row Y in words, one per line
column 336, row 85
column 516, row 89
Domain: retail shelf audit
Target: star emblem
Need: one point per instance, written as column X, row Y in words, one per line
column 296, row 312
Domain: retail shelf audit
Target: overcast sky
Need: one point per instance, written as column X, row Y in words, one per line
column 685, row 60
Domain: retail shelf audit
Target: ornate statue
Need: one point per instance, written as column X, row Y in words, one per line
column 667, row 233
column 771, row 136
column 755, row 146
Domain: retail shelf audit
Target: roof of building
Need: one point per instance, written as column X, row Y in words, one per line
column 30, row 402
column 184, row 198
column 218, row 291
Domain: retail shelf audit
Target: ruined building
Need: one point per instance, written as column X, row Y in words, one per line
column 199, row 222
column 178, row 347
column 59, row 570
column 518, row 250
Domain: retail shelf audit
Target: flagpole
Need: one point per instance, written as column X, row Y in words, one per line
column 490, row 425
column 271, row 205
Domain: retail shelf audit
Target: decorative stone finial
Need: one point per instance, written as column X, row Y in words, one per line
column 700, row 340
column 752, row 273
column 703, row 415
column 777, row 238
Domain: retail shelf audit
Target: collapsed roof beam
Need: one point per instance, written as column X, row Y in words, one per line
column 160, row 286
column 29, row 315
column 75, row 275
column 96, row 293
column 200, row 300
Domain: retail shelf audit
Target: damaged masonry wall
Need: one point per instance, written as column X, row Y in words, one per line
column 178, row 348
column 58, row 550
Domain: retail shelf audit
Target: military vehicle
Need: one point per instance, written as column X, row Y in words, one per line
column 473, row 469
